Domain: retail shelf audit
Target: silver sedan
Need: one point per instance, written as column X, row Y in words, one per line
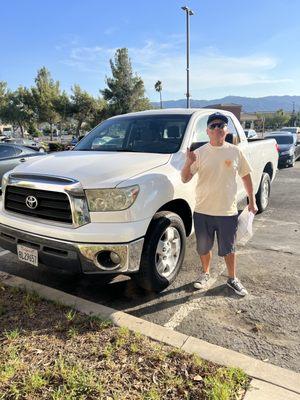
column 12, row 155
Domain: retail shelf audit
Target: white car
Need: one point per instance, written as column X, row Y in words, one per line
column 119, row 206
column 250, row 133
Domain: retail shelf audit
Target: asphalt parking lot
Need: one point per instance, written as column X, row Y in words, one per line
column 265, row 324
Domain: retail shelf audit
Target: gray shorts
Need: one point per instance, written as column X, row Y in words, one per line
column 206, row 226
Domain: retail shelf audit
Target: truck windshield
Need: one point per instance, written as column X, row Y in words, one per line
column 146, row 134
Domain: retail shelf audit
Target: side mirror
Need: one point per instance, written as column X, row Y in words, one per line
column 229, row 138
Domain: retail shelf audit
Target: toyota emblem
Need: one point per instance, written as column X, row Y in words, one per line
column 31, row 202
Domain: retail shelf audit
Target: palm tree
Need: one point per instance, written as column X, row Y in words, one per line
column 158, row 88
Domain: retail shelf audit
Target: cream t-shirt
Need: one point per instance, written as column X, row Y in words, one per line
column 217, row 168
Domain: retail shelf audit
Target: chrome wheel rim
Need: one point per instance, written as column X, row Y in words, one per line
column 265, row 194
column 168, row 252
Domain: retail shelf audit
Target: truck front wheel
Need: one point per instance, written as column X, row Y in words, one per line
column 263, row 194
column 163, row 252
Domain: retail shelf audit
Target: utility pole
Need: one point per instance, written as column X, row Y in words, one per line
column 293, row 114
column 188, row 12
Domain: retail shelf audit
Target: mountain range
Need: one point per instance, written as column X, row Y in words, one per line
column 249, row 104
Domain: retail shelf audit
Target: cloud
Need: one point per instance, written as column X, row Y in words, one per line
column 110, row 30
column 210, row 69
column 89, row 59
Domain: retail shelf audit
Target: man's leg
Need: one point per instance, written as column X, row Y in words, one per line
column 233, row 282
column 204, row 231
column 230, row 260
column 205, row 261
column 226, row 234
column 204, row 277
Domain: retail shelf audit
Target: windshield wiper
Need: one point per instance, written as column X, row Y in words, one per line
column 126, row 150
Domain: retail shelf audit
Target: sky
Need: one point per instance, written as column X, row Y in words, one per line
column 242, row 48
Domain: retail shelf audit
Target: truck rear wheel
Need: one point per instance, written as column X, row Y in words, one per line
column 163, row 252
column 263, row 194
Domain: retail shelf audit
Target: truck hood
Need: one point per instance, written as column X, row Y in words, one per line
column 94, row 169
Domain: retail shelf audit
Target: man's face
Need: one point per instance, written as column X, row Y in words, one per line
column 217, row 130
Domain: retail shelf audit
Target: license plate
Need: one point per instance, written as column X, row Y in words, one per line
column 28, row 255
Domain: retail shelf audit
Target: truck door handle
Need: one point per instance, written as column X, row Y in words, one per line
column 22, row 159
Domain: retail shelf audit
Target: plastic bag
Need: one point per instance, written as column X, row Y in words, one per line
column 244, row 231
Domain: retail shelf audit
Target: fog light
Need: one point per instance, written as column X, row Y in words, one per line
column 115, row 258
column 108, row 260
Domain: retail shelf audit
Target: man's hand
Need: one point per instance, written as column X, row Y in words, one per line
column 252, row 207
column 190, row 156
column 186, row 174
column 247, row 181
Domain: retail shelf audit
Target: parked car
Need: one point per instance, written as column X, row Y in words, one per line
column 12, row 155
column 32, row 144
column 118, row 206
column 250, row 133
column 293, row 133
column 74, row 142
column 292, row 129
column 289, row 150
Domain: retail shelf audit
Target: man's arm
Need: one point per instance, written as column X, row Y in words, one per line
column 247, row 181
column 186, row 174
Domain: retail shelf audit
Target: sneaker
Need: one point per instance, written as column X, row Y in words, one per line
column 202, row 281
column 236, row 285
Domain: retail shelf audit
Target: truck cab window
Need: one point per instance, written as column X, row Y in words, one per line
column 200, row 134
column 233, row 131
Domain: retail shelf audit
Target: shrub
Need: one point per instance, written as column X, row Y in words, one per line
column 53, row 146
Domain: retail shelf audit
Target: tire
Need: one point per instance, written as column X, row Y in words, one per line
column 42, row 150
column 293, row 162
column 263, row 194
column 163, row 252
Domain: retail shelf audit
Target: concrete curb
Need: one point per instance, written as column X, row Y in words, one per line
column 285, row 381
column 260, row 390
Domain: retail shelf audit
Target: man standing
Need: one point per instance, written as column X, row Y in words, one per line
column 217, row 164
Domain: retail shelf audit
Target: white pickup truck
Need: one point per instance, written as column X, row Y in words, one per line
column 116, row 204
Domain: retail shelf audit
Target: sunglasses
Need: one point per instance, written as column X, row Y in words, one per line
column 220, row 125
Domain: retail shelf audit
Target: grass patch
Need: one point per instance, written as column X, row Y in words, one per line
column 49, row 351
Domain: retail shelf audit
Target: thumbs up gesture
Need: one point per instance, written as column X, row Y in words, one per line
column 190, row 156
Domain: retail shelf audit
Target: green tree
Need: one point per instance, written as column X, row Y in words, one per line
column 46, row 94
column 100, row 113
column 158, row 88
column 63, row 107
column 83, row 107
column 276, row 120
column 297, row 120
column 17, row 109
column 125, row 91
column 3, row 93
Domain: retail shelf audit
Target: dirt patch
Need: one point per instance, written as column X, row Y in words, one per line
column 48, row 351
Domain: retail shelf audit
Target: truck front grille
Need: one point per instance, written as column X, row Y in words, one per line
column 44, row 204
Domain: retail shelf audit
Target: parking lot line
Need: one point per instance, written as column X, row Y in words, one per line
column 2, row 253
column 190, row 306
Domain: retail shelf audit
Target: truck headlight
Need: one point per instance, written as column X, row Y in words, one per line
column 5, row 178
column 111, row 199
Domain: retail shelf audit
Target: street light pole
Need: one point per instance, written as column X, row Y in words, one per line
column 188, row 12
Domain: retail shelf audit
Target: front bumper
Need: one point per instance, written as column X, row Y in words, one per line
column 285, row 159
column 72, row 256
